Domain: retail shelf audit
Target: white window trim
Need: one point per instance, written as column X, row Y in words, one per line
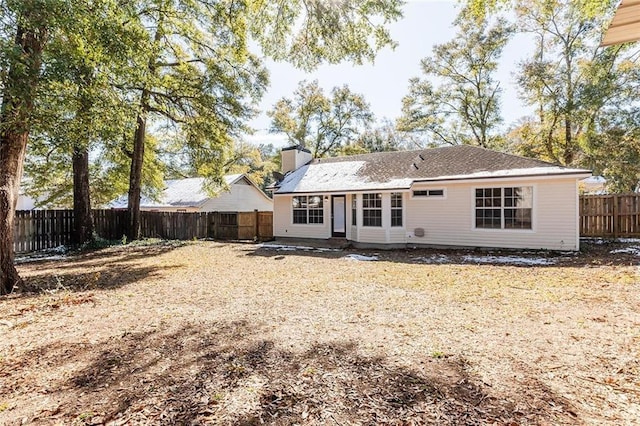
column 534, row 210
column 381, row 208
column 324, row 212
column 402, row 209
column 429, row 197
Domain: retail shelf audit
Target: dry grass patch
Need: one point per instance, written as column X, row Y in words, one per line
column 209, row 333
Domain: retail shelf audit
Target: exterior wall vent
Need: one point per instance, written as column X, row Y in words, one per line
column 418, row 232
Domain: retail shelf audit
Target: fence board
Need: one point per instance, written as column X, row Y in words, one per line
column 42, row 229
column 610, row 216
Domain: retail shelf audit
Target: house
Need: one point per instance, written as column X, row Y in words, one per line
column 188, row 195
column 625, row 25
column 459, row 196
column 25, row 202
column 593, row 185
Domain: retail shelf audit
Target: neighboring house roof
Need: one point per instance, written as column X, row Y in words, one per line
column 625, row 26
column 400, row 169
column 187, row 192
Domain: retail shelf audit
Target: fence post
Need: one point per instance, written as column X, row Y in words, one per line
column 216, row 225
column 616, row 220
column 256, row 237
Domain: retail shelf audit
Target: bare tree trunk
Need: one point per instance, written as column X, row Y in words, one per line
column 17, row 106
column 137, row 159
column 135, row 176
column 82, row 219
column 568, row 140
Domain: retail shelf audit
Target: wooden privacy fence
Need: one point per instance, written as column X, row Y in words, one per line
column 42, row 229
column 610, row 216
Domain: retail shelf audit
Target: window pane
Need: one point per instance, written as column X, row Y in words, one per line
column 517, row 218
column 316, row 216
column 436, row 192
column 315, row 202
column 488, row 218
column 396, row 200
column 299, row 216
column 396, row 217
column 372, row 217
column 354, row 211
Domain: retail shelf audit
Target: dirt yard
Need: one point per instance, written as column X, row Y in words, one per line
column 211, row 333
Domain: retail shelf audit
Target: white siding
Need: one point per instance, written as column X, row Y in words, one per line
column 450, row 221
column 283, row 225
column 240, row 198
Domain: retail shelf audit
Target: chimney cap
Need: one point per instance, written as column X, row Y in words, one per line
column 298, row 147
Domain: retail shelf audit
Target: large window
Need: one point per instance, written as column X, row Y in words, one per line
column 396, row 209
column 354, row 209
column 308, row 209
column 504, row 208
column 371, row 209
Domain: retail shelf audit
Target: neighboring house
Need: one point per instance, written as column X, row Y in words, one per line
column 625, row 25
column 459, row 196
column 188, row 195
column 594, row 185
column 25, row 202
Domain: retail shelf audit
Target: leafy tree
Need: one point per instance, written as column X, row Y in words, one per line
column 78, row 109
column 320, row 123
column 570, row 79
column 24, row 29
column 385, row 137
column 200, row 74
column 258, row 162
column 458, row 101
column 614, row 152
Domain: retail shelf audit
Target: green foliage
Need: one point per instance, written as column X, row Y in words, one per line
column 322, row 124
column 458, row 101
column 257, row 162
column 308, row 33
column 614, row 152
column 569, row 78
column 385, row 137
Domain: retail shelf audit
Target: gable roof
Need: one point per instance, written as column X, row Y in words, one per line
column 187, row 192
column 400, row 169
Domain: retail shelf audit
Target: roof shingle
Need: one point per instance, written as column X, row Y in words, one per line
column 399, row 169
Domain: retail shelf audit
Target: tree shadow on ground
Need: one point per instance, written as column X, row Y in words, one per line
column 226, row 373
column 94, row 270
column 609, row 253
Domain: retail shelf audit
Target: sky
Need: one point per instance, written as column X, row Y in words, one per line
column 385, row 82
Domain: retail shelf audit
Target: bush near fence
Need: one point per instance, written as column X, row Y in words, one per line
column 42, row 229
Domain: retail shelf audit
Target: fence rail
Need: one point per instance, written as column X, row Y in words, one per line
column 42, row 229
column 610, row 216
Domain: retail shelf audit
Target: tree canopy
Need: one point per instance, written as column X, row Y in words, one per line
column 321, row 123
column 457, row 101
